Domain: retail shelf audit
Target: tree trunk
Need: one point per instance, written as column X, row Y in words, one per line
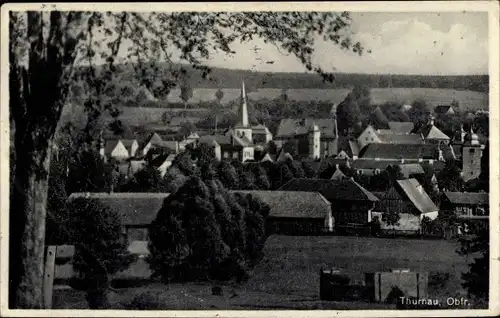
column 27, row 230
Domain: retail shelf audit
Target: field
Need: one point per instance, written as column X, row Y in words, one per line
column 288, row 276
column 468, row 100
column 434, row 96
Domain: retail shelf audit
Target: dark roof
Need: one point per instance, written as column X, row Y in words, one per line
column 432, row 132
column 401, row 139
column 417, row 195
column 290, row 204
column 290, row 127
column 477, row 198
column 402, row 127
column 441, row 109
column 399, row 151
column 410, row 169
column 110, row 145
column 135, row 208
column 371, row 164
column 333, row 190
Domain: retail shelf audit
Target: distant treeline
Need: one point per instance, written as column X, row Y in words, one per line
column 227, row 78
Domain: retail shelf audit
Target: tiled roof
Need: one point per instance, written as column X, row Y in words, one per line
column 290, row 204
column 134, row 208
column 401, row 127
column 333, row 190
column 417, row 195
column 477, row 198
column 399, row 151
column 290, row 127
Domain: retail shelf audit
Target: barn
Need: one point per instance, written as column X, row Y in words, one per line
column 295, row 212
column 350, row 202
column 409, row 199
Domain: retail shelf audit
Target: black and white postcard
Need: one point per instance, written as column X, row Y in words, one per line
column 250, row 159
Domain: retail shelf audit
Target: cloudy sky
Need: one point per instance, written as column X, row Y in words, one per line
column 452, row 43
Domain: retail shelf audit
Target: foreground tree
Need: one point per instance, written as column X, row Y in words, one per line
column 43, row 51
column 99, row 255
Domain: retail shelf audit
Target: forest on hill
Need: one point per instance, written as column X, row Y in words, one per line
column 214, row 78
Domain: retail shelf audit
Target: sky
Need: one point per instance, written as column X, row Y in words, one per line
column 446, row 43
column 451, row 43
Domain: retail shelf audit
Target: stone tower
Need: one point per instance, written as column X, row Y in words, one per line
column 471, row 157
column 313, row 138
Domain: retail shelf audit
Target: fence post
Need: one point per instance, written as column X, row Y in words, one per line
column 48, row 279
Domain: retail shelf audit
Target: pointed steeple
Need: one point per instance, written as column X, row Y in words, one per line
column 244, row 110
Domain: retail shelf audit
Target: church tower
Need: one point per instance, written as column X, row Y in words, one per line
column 471, row 157
column 243, row 128
column 313, row 137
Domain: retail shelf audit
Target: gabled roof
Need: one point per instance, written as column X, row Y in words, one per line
column 110, row 145
column 167, row 144
column 472, row 198
column 410, row 169
column 338, row 175
column 417, row 195
column 267, row 157
column 290, row 127
column 432, row 132
column 441, row 109
column 403, row 127
column 134, row 208
column 128, row 143
column 399, row 151
column 333, row 190
column 288, row 204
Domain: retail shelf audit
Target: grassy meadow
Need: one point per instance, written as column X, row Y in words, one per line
column 288, row 276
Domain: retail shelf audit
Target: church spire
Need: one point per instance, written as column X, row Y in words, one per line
column 244, row 110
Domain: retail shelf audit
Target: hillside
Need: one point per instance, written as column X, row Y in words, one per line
column 231, row 78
